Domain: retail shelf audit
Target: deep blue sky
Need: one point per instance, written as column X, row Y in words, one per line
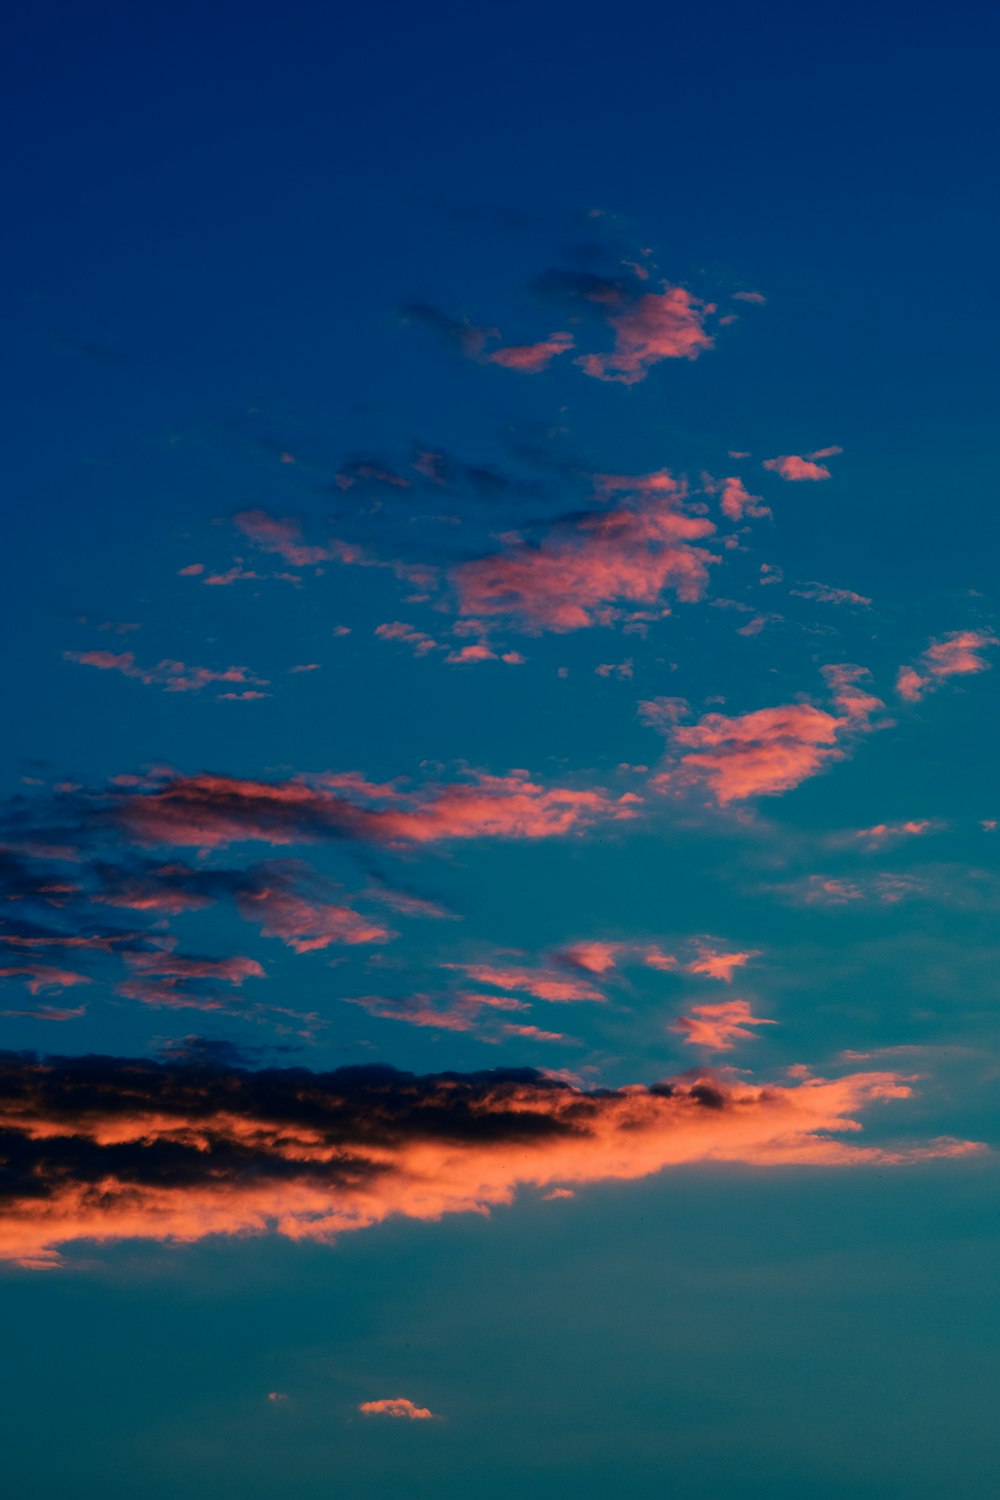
column 220, row 217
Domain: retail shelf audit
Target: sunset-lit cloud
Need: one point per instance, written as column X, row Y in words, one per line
column 39, row 977
column 653, row 327
column 542, row 984
column 796, row 466
column 210, row 811
column 172, row 676
column 588, row 564
column 131, row 1149
column 531, row 358
column 771, row 750
column 717, row 1028
column 953, row 655
column 396, row 1406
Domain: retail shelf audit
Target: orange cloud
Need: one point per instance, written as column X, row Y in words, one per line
column 718, row 1027
column 568, row 582
column 950, row 655
column 653, row 327
column 117, row 1149
column 396, row 1406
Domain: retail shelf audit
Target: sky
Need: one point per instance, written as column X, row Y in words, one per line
column 499, row 825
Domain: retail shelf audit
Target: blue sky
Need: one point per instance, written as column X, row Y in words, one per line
column 501, row 582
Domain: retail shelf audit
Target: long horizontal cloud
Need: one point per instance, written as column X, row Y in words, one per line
column 211, row 810
column 172, row 676
column 103, row 1149
column 586, row 564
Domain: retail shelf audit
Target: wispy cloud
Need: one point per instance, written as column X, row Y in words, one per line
column 717, row 1028
column 953, row 655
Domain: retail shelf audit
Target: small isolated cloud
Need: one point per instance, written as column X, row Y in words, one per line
column 797, row 466
column 885, row 833
column 396, row 1406
column 717, row 963
column 756, row 297
column 278, row 1396
column 530, row 359
column 736, row 502
column 954, row 655
column 718, row 1027
column 280, row 535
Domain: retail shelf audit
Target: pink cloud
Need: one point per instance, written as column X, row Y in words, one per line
column 541, row 984
column 634, row 552
column 755, row 297
column 758, row 754
column 793, row 466
column 397, row 630
column 531, row 1033
column 172, row 676
column 396, row 1406
column 771, row 750
column 715, row 963
column 654, row 327
column 663, row 713
column 956, row 654
column 823, row 593
column 302, row 920
column 39, row 977
column 622, row 670
column 882, row 833
column 210, row 811
column 595, row 957
column 718, row 1027
column 47, row 1013
column 531, row 358
column 736, row 501
column 282, row 536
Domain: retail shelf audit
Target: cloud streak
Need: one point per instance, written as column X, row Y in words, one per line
column 99, row 1149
